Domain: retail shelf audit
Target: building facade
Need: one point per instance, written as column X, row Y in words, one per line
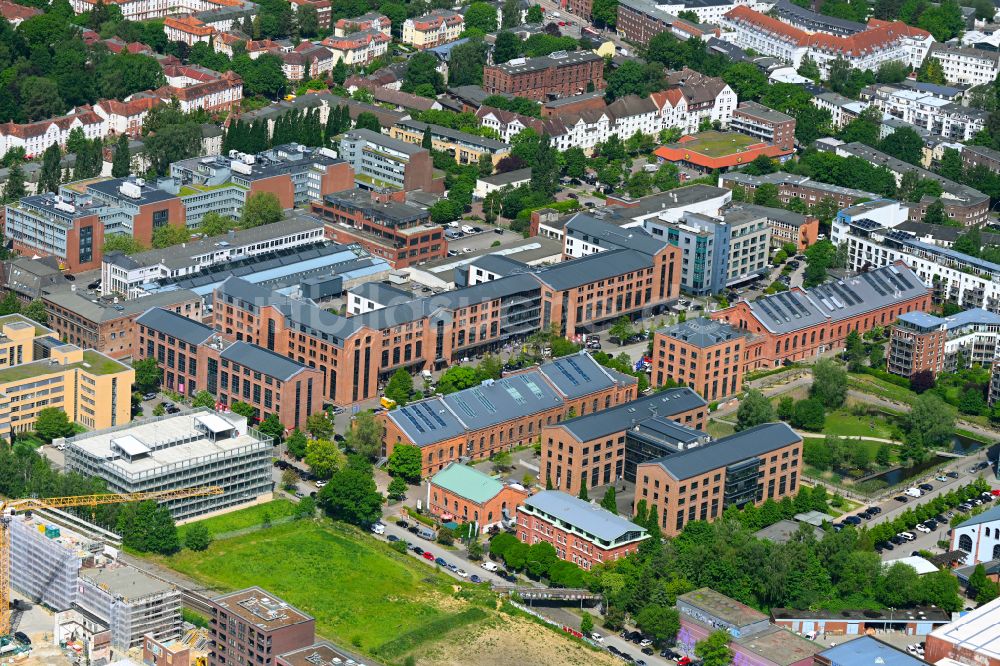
column 195, row 448
column 559, row 74
column 466, row 495
column 582, row 533
column 381, row 162
column 703, row 354
column 965, row 66
column 252, row 626
column 440, row 26
column 916, row 344
column 766, row 124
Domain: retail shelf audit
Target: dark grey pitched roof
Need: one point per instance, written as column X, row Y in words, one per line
column 176, row 325
column 592, row 268
column 702, row 332
column 606, row 234
column 590, row 518
column 500, row 264
column 262, row 360
column 621, row 417
column 381, row 293
column 577, row 375
column 728, row 450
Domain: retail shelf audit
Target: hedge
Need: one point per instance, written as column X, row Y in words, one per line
column 431, row 630
column 886, row 376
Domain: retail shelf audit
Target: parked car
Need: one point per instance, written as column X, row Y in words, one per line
column 378, row 528
column 920, row 527
column 908, row 536
column 874, row 510
column 462, row 573
column 498, row 230
column 926, row 487
column 475, row 579
column 898, row 540
column 901, row 498
column 402, row 523
column 888, row 545
column 149, row 396
column 428, row 556
column 392, row 538
column 931, row 524
column 596, row 637
column 951, row 475
column 441, row 561
column 852, row 520
column 941, row 477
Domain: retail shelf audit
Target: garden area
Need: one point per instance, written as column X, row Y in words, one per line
column 252, row 516
column 365, row 594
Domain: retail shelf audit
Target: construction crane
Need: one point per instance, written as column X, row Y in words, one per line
column 11, row 507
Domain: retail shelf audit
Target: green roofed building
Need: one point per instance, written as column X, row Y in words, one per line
column 464, row 494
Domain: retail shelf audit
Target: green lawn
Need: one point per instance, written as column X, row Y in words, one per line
column 884, row 389
column 361, row 592
column 243, row 518
column 718, row 144
column 843, row 423
column 719, row 429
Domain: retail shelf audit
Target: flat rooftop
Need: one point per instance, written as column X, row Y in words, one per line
column 722, row 607
column 779, row 646
column 261, row 609
column 154, row 436
column 322, row 653
column 125, row 581
column 93, row 362
column 717, row 144
column 976, row 631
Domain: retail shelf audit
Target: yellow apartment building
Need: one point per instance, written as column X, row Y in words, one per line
column 93, row 389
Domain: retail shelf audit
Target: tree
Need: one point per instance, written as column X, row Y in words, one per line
column 172, row 143
column 297, row 443
column 622, row 330
column 970, row 243
column 319, row 426
column 943, row 20
column 397, row 488
column 365, row 436
column 400, row 387
column 457, row 378
column 604, row 13
column 481, row 16
column 507, row 47
column 922, row 381
column 760, row 165
column 53, row 423
column 421, row 69
column 148, row 375
column 272, row 427
column 786, row 407
column 767, row 195
column 587, row 624
column 406, row 462
column 203, row 399
column 855, row 351
column 35, row 310
column 368, row 120
column 876, row 357
column 583, row 490
column 905, row 144
column 929, row 423
column 935, row 213
column 261, row 208
column 14, row 189
column 169, row 235
column 323, row 458
column 931, row 71
column 351, row 495
column 445, row 536
column 148, row 528
column 197, row 537
column 754, row 410
column 121, row 164
column 829, row 384
column 809, row 415
column 534, row 15
column 123, row 243
column 307, row 19
column 661, row 623
column 244, row 409
column 609, row 502
column 50, row 176
column 714, row 650
column 289, row 480
column 981, row 587
column 633, row 78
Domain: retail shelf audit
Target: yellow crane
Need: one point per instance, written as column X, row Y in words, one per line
column 10, row 507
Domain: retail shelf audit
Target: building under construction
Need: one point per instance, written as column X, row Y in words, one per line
column 131, row 603
column 45, row 560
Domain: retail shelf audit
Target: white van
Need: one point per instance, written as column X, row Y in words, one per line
column 491, row 567
column 467, row 229
column 914, row 492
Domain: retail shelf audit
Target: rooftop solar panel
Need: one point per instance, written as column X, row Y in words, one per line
column 515, row 394
column 874, row 283
column 412, row 420
column 465, row 407
column 490, row 407
column 571, row 378
column 534, row 388
column 576, row 366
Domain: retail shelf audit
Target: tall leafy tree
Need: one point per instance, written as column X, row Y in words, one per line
column 14, row 188
column 506, row 47
column 121, row 164
column 351, row 495
column 754, row 410
column 50, row 177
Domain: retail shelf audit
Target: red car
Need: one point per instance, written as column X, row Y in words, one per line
column 428, row 556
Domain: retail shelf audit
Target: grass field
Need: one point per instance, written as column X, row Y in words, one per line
column 844, row 423
column 244, row 518
column 718, row 144
column 719, row 429
column 361, row 592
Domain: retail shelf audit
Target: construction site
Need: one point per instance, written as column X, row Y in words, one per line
column 66, row 596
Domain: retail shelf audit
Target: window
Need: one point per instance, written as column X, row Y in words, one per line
column 965, row 543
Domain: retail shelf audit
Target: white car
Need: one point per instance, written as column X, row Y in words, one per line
column 467, row 229
column 909, row 536
column 320, row 483
column 923, row 528
column 597, row 638
column 490, row 566
column 463, row 573
column 378, row 528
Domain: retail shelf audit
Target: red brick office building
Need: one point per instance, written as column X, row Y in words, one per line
column 703, row 354
column 582, row 533
column 560, row 74
column 392, row 229
column 798, row 324
column 252, row 626
column 194, row 358
column 464, row 494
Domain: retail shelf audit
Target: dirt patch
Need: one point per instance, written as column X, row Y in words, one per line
column 511, row 641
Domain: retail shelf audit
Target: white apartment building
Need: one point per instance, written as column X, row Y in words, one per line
column 142, row 10
column 938, row 116
column 434, row 29
column 711, row 11
column 37, row 136
column 369, row 21
column 882, row 42
column 966, row 281
column 693, row 97
column 187, row 29
column 358, row 48
column 966, row 66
